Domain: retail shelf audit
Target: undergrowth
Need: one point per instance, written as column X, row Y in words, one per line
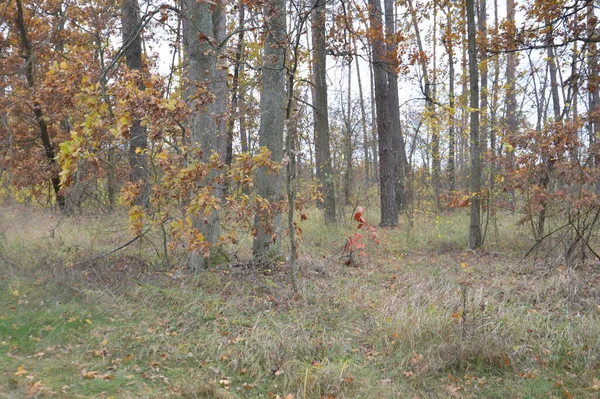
column 420, row 317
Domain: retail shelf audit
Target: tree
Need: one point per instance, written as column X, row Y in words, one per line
column 138, row 137
column 392, row 66
column 320, row 109
column 28, row 55
column 475, row 236
column 387, row 161
column 200, row 73
column 428, row 90
column 448, row 41
column 272, row 122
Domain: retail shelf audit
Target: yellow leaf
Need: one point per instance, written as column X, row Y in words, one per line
column 88, row 321
column 21, row 371
column 89, row 375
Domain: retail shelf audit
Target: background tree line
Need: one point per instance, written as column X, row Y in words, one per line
column 201, row 116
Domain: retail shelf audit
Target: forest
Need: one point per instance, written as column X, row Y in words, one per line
column 294, row 199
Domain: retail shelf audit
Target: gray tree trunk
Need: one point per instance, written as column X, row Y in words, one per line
column 387, row 157
column 220, row 85
column 363, row 114
column 138, row 137
column 238, row 68
column 451, row 117
column 320, row 107
column 200, row 71
column 272, row 122
column 475, row 236
column 401, row 162
column 511, row 66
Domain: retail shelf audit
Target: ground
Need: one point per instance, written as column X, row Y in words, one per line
column 417, row 317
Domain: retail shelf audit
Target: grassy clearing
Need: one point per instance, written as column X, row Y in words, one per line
column 420, row 318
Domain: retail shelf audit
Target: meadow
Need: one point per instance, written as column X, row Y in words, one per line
column 418, row 317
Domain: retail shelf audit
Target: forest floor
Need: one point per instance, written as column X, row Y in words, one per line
column 418, row 317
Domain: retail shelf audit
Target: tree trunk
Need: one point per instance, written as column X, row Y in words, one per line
column 387, row 162
column 138, row 138
column 363, row 114
column 272, row 121
column 235, row 90
column 325, row 171
column 220, row 85
column 430, row 108
column 475, row 236
column 593, row 92
column 348, row 145
column 401, row 163
column 451, row 117
column 374, row 140
column 483, row 65
column 200, row 71
column 511, row 66
column 44, row 134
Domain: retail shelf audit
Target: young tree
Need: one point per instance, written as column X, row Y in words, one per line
column 27, row 52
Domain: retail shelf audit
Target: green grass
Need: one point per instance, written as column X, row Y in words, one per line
column 419, row 317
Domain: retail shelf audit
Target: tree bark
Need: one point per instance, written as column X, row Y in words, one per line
column 401, row 163
column 320, row 107
column 266, row 244
column 363, row 114
column 348, row 145
column 200, row 71
column 475, row 236
column 387, row 162
column 448, row 43
column 138, row 137
column 511, row 66
column 220, row 85
column 483, row 65
column 235, row 89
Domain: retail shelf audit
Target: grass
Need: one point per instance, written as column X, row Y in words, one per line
column 419, row 317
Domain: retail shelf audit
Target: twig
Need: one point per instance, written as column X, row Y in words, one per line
column 112, row 251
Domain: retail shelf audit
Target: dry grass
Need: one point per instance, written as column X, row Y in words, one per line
column 420, row 318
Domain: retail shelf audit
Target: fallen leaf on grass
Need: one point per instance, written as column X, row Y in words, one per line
column 88, row 375
column 595, row 384
column 225, row 383
column 453, row 390
column 21, row 371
